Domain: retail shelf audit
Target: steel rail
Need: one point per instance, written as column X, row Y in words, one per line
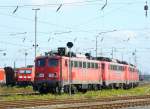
column 23, row 94
column 70, row 102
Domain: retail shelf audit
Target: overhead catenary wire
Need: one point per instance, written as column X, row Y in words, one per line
column 39, row 21
column 45, row 22
column 104, row 5
column 51, row 4
column 97, row 17
column 15, row 10
column 70, row 4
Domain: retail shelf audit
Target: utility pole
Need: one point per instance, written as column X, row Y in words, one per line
column 35, row 43
column 112, row 53
column 70, row 45
column 122, row 56
column 135, row 57
column 102, row 38
column 96, row 46
column 114, row 50
column 101, row 52
column 26, row 58
column 4, row 54
column 14, row 65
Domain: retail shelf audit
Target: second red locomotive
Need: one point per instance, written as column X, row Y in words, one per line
column 25, row 76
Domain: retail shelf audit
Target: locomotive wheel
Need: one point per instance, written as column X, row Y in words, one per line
column 99, row 87
column 95, row 87
column 58, row 90
column 74, row 90
column 125, row 86
column 66, row 89
column 43, row 90
column 35, row 88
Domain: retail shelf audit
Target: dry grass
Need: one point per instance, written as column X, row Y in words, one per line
column 15, row 89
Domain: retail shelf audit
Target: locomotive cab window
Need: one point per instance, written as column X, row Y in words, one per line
column 80, row 64
column 28, row 71
column 53, row 62
column 40, row 62
column 22, row 71
column 84, row 64
column 88, row 65
column 75, row 63
column 96, row 65
column 92, row 65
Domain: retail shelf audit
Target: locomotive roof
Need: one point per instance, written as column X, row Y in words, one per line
column 74, row 56
column 111, row 60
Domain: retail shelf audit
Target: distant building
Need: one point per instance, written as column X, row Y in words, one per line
column 144, row 77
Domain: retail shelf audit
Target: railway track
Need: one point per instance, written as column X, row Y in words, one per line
column 105, row 103
column 23, row 94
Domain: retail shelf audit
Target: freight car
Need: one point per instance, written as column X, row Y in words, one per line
column 24, row 76
column 52, row 73
column 7, row 76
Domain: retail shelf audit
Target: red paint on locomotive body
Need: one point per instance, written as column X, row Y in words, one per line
column 114, row 74
column 133, row 75
column 2, row 76
column 54, row 71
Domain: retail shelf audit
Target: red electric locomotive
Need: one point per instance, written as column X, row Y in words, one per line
column 117, row 74
column 132, row 76
column 25, row 76
column 53, row 73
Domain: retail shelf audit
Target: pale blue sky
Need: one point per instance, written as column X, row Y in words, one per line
column 79, row 21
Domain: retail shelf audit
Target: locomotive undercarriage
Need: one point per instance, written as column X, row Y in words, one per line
column 47, row 86
column 58, row 87
column 24, row 83
column 119, row 85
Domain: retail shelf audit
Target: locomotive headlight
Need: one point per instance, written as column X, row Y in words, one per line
column 52, row 75
column 20, row 76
